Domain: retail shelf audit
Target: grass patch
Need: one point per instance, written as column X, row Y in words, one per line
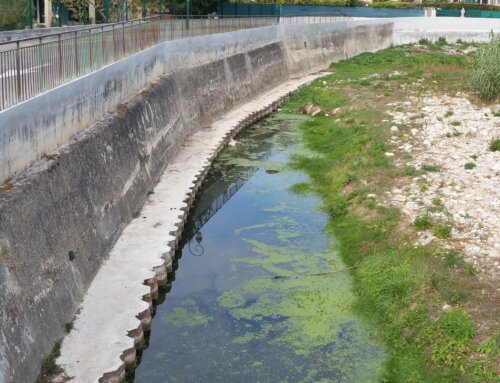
column 430, row 168
column 397, row 284
column 484, row 70
column 469, row 165
column 422, row 222
column 49, row 366
column 495, row 145
column 442, row 230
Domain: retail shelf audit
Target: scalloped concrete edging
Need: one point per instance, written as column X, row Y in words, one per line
column 116, row 310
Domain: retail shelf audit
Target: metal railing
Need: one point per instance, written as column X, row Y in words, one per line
column 37, row 65
column 31, row 66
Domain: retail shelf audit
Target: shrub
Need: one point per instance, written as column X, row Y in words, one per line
column 484, row 71
column 394, row 4
column 14, row 14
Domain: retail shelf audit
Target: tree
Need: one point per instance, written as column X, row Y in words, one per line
column 14, row 14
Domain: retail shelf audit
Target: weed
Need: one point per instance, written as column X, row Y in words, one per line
column 470, row 268
column 442, row 230
column 412, row 171
column 422, row 222
column 430, row 168
column 449, row 113
column 469, row 165
column 423, row 187
column 455, row 133
column 300, row 188
column 484, row 69
column 457, row 324
column 455, row 123
column 49, row 365
column 491, row 345
column 424, row 42
column 68, row 327
column 337, row 207
column 441, row 41
column 437, row 202
column 452, row 258
column 474, row 157
column 495, row 145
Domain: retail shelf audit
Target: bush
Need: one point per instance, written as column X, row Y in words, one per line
column 484, row 70
column 13, row 15
column 394, row 4
column 445, row 5
column 333, row 3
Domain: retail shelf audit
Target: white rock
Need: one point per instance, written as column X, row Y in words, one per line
column 394, row 129
column 446, row 308
column 389, row 154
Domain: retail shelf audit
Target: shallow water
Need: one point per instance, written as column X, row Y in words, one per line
column 259, row 293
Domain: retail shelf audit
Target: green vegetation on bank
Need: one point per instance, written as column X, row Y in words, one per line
column 425, row 302
column 485, row 69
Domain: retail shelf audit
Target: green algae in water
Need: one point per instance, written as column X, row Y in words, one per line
column 262, row 314
column 190, row 316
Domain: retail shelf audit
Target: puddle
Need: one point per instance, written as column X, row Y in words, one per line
column 259, row 293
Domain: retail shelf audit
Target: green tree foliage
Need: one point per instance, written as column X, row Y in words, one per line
column 334, row 3
column 13, row 14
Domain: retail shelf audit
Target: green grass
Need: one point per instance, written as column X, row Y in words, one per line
column 495, row 145
column 442, row 230
column 396, row 283
column 469, row 165
column 422, row 222
column 484, row 70
column 430, row 168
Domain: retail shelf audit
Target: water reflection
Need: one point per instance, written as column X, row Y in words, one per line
column 268, row 300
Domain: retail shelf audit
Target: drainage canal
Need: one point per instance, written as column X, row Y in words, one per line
column 259, row 293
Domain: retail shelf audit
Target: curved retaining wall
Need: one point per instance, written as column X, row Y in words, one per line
column 60, row 218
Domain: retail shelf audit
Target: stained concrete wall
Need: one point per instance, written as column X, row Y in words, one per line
column 76, row 199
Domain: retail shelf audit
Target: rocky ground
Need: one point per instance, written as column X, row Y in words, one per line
column 443, row 142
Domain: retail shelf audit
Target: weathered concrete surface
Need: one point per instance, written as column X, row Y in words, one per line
column 411, row 30
column 38, row 126
column 79, row 198
column 118, row 300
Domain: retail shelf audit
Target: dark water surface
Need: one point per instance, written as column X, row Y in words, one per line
column 258, row 295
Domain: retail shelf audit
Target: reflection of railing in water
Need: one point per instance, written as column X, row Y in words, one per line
column 200, row 220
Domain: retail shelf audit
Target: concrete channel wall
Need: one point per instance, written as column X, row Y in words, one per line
column 60, row 217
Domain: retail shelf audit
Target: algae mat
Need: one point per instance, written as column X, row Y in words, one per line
column 260, row 294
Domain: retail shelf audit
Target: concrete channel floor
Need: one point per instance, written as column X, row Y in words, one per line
column 106, row 328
